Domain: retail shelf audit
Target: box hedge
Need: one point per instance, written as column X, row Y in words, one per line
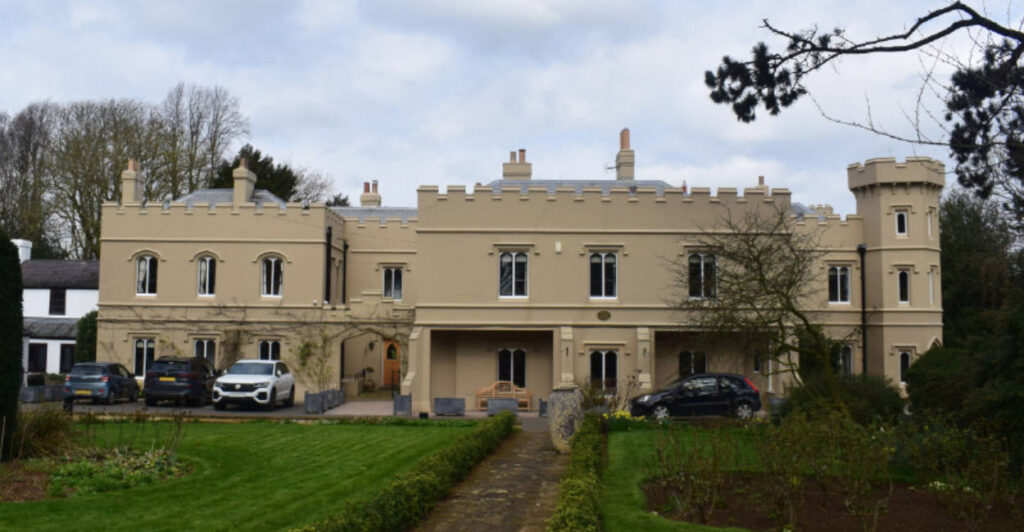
column 407, row 499
column 579, row 493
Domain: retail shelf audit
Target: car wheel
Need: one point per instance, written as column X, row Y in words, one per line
column 660, row 412
column 273, row 400
column 220, row 406
column 743, row 411
column 150, row 401
column 290, row 401
column 111, row 397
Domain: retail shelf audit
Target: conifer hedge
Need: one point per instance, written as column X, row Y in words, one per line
column 10, row 341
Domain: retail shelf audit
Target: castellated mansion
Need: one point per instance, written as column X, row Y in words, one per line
column 538, row 282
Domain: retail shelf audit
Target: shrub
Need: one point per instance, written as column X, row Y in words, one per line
column 35, row 379
column 692, row 466
column 117, row 469
column 867, row 399
column 85, row 339
column 404, row 502
column 45, row 431
column 579, row 492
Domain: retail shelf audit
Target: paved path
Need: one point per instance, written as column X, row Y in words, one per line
column 513, row 490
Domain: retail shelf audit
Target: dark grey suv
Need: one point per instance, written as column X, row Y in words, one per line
column 707, row 394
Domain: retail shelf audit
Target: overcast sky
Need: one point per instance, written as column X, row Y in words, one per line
column 438, row 92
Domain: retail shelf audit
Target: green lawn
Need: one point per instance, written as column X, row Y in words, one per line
column 251, row 476
column 622, row 506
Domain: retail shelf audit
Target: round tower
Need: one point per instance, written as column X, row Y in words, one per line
column 899, row 204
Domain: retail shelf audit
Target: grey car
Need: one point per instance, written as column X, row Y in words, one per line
column 100, row 382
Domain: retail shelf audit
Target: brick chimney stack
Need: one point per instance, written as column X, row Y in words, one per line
column 245, row 183
column 370, row 197
column 516, row 168
column 625, row 160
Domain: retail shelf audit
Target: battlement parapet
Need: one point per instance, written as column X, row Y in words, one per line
column 886, row 170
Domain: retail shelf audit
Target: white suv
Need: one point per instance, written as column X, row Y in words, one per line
column 260, row 382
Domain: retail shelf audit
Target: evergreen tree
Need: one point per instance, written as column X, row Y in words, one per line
column 10, row 342
column 85, row 340
column 279, row 179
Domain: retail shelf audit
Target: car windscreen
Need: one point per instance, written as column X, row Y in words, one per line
column 169, row 365
column 251, row 369
column 88, row 370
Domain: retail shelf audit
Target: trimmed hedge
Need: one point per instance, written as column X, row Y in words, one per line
column 403, row 503
column 579, row 493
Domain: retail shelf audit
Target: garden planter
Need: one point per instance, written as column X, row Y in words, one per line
column 565, row 415
column 403, row 405
column 449, row 406
column 314, row 403
column 501, row 404
column 38, row 394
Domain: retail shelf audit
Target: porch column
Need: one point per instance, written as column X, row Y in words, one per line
column 562, row 361
column 417, row 379
column 645, row 357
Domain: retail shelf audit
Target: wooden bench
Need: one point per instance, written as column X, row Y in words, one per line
column 503, row 390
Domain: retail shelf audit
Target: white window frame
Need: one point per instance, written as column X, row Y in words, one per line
column 604, row 367
column 931, row 287
column 270, row 343
column 203, row 288
column 388, row 292
column 206, row 343
column 905, row 214
column 146, row 284
column 513, row 254
column 704, row 288
column 840, row 270
column 603, row 257
column 900, row 275
column 276, row 282
column 148, row 352
column 512, row 362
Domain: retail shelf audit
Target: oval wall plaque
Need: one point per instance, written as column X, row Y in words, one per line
column 603, row 315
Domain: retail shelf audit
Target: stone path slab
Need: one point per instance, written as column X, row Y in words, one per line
column 513, row 490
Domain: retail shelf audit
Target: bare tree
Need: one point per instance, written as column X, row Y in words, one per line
column 313, row 186
column 25, row 207
column 762, row 287
column 981, row 122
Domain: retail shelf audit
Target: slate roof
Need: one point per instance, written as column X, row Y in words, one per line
column 226, row 195
column 50, row 327
column 384, row 213
column 577, row 185
column 82, row 274
column 802, row 211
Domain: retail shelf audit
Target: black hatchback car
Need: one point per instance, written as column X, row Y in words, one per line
column 701, row 395
column 179, row 379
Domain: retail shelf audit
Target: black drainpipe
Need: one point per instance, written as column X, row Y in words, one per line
column 327, row 266
column 862, row 250
column 344, row 272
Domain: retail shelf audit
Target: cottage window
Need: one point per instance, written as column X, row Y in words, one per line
column 145, row 275
column 839, row 284
column 58, row 301
column 603, row 275
column 604, row 369
column 702, row 276
column 512, row 274
column 207, row 275
column 270, row 350
column 512, row 366
column 145, row 351
column 393, row 283
column 67, row 357
column 36, row 358
column 271, row 277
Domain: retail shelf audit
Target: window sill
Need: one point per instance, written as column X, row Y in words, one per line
column 269, row 296
column 602, row 298
column 515, row 298
column 145, row 295
column 845, row 303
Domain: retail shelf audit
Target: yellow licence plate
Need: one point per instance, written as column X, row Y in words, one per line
column 83, row 392
column 166, row 379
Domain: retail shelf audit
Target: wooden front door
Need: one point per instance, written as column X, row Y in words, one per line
column 392, row 367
